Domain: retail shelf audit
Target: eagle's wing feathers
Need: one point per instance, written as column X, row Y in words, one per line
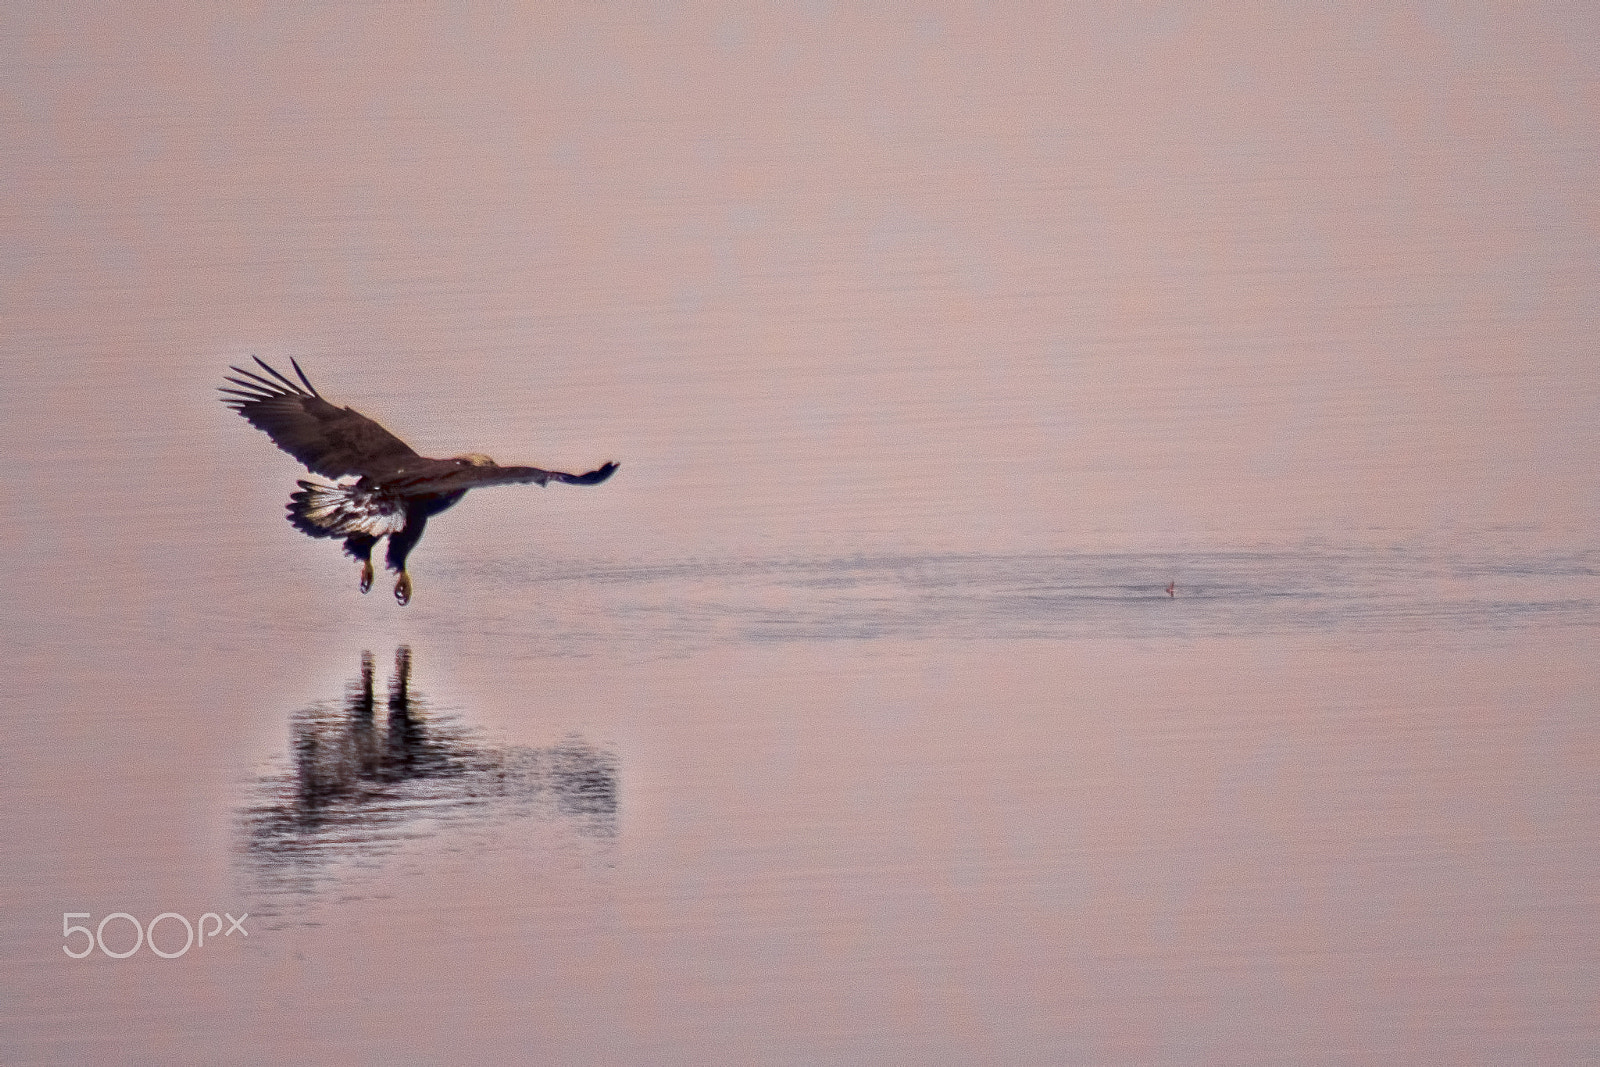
column 449, row 476
column 516, row 475
column 329, row 440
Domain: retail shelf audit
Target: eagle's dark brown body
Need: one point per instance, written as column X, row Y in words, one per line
column 396, row 490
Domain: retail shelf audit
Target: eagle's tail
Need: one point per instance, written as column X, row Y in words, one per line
column 345, row 510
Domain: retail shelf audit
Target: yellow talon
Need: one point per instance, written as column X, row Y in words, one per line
column 402, row 588
column 366, row 575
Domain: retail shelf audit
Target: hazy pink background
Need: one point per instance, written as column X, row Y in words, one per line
column 1045, row 277
column 828, row 281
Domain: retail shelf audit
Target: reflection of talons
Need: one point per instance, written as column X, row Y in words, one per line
column 366, row 575
column 402, row 588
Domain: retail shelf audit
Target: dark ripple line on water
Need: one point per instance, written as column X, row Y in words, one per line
column 1080, row 594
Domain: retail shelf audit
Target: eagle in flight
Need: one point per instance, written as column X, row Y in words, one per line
column 395, row 491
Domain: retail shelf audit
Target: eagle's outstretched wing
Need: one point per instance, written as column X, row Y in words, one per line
column 329, row 440
column 454, row 475
column 534, row 474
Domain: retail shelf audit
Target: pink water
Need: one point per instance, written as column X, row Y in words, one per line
column 851, row 720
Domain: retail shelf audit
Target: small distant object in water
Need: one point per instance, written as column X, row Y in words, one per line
column 1172, row 589
column 396, row 490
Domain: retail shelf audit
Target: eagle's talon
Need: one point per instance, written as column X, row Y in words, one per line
column 366, row 576
column 402, row 588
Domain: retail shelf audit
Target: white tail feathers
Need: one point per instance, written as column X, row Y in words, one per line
column 343, row 510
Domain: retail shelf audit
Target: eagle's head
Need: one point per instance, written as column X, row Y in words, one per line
column 476, row 459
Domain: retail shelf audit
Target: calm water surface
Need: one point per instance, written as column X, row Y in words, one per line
column 853, row 720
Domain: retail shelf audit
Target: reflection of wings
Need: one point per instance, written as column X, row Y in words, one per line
column 329, row 440
column 454, row 475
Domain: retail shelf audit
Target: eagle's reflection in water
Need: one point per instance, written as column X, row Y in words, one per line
column 362, row 785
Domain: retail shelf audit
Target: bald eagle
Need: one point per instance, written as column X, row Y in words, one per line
column 395, row 491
